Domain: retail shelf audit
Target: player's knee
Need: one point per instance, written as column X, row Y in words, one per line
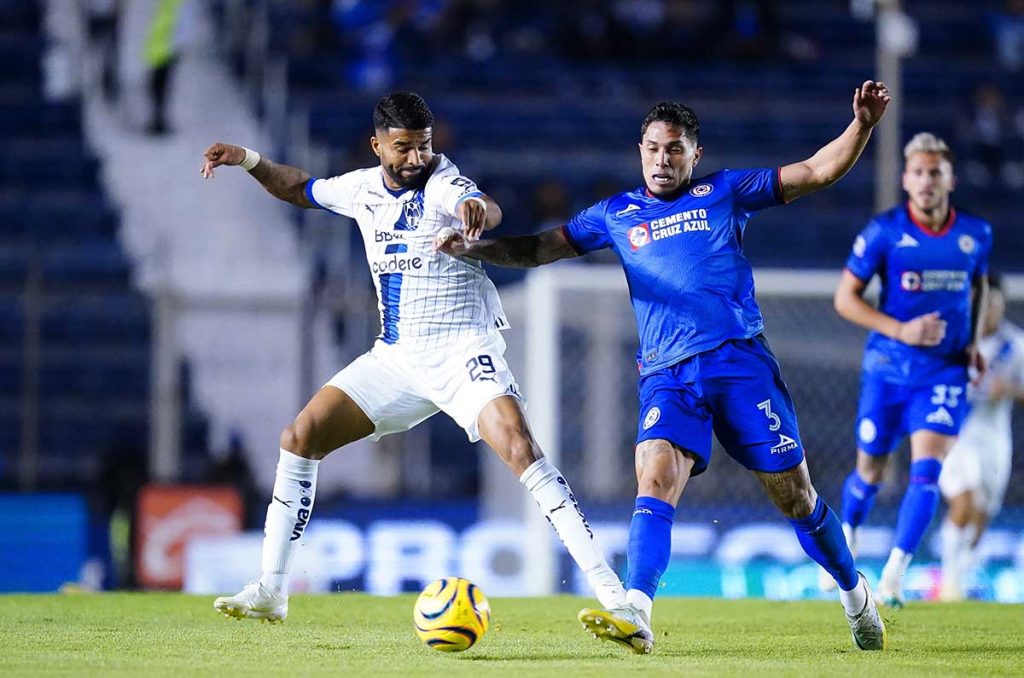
column 299, row 438
column 660, row 480
column 871, row 469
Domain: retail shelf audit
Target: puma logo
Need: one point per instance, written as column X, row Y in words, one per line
column 286, row 503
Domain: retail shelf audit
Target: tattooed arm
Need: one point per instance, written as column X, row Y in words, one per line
column 526, row 251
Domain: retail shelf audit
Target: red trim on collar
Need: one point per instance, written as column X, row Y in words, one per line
column 927, row 230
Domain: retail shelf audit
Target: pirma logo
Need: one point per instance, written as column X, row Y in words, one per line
column 638, row 236
column 785, row 444
column 700, row 190
column 653, row 415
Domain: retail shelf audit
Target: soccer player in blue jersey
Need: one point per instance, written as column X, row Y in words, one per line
column 704, row 362
column 931, row 260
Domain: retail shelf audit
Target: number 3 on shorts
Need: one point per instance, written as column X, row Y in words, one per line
column 766, row 407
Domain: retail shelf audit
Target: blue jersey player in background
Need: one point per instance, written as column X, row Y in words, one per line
column 931, row 260
column 705, row 365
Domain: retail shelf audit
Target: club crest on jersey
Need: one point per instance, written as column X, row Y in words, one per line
column 653, row 415
column 412, row 211
column 701, row 190
column 966, row 243
column 638, row 236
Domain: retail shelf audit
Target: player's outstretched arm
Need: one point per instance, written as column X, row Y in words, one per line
column 835, row 159
column 526, row 251
column 924, row 330
column 281, row 181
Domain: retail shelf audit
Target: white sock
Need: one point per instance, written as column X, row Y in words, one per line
column 640, row 601
column 968, row 552
column 855, row 599
column 556, row 501
column 287, row 516
column 954, row 543
column 896, row 569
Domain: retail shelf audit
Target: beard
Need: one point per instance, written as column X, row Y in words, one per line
column 415, row 181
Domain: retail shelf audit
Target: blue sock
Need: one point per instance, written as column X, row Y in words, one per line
column 858, row 498
column 919, row 504
column 821, row 535
column 650, row 544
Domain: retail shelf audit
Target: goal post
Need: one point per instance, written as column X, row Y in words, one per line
column 573, row 342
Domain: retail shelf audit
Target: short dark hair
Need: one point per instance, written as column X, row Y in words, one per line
column 674, row 113
column 402, row 110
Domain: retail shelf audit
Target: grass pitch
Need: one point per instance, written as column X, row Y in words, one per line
column 358, row 635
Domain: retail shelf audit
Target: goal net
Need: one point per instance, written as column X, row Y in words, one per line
column 574, row 351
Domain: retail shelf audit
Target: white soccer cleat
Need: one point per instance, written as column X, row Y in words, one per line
column 254, row 602
column 626, row 626
column 866, row 626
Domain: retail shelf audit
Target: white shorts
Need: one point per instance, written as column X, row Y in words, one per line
column 397, row 388
column 980, row 464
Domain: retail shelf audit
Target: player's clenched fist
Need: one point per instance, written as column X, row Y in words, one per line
column 221, row 154
column 473, row 215
column 924, row 330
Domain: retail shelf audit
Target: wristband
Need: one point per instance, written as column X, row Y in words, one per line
column 251, row 159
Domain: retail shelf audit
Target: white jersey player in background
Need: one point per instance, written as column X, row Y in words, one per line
column 439, row 350
column 977, row 470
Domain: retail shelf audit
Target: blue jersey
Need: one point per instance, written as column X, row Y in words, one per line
column 691, row 286
column 921, row 271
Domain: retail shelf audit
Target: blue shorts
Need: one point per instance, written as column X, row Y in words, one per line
column 735, row 390
column 888, row 412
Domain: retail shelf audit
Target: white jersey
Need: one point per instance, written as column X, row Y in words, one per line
column 1003, row 352
column 425, row 299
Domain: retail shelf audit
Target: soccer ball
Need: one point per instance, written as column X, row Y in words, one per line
column 451, row 614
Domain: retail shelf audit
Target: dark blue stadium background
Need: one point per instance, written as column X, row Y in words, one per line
column 540, row 102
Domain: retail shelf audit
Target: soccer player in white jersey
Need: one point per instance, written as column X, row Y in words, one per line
column 439, row 349
column 977, row 469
